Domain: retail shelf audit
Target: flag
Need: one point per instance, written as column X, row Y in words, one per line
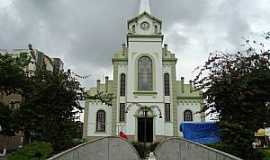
column 123, row 136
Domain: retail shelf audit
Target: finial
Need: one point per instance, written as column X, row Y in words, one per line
column 145, row 6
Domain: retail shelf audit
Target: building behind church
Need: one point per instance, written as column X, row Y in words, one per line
column 147, row 96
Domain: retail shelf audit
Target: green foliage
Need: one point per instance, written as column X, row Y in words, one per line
column 12, row 80
column 50, row 104
column 8, row 120
column 33, row 151
column 105, row 98
column 50, row 109
column 12, row 77
column 237, row 87
column 266, row 153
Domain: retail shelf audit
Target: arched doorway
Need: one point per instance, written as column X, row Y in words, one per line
column 145, row 125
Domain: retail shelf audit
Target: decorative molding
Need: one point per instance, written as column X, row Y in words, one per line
column 145, row 93
column 141, row 15
column 189, row 98
column 119, row 60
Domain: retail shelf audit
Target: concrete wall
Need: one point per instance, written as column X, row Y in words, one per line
column 109, row 148
column 181, row 149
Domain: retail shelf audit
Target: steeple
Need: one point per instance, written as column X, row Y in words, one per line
column 144, row 7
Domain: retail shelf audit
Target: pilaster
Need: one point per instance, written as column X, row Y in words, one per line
column 85, row 124
column 114, row 103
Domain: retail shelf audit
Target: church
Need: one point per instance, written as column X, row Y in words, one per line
column 149, row 103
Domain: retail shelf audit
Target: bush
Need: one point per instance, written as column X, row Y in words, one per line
column 266, row 153
column 33, row 151
column 259, row 154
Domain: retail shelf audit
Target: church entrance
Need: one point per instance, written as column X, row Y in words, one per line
column 145, row 129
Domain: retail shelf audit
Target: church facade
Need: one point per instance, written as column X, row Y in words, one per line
column 149, row 102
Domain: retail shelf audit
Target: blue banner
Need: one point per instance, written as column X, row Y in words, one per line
column 204, row 133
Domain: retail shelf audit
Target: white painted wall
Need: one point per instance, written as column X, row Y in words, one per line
column 139, row 30
column 154, row 51
column 194, row 107
column 137, row 47
column 92, row 113
column 160, row 126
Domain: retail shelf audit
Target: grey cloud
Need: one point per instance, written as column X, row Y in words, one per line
column 86, row 33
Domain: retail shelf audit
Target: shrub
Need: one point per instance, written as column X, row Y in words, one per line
column 266, row 153
column 33, row 151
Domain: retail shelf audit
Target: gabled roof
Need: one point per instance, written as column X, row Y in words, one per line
column 146, row 14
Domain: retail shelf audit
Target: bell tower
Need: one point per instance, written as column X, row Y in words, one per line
column 144, row 39
column 144, row 23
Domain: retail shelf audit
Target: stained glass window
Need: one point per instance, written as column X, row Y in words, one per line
column 145, row 74
column 188, row 115
column 101, row 121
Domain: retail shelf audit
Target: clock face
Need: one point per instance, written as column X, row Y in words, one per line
column 145, row 25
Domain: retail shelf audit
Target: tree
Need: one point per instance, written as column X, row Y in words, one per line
column 106, row 98
column 12, row 81
column 50, row 108
column 237, row 87
column 8, row 120
column 12, row 78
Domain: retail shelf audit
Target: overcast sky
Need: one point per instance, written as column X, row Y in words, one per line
column 86, row 33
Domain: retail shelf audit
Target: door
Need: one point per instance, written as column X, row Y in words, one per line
column 145, row 129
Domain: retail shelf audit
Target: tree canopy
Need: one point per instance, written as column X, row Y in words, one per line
column 236, row 86
column 12, row 72
column 48, row 110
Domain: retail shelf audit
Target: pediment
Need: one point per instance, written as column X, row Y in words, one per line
column 146, row 15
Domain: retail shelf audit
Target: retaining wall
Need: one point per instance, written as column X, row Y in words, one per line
column 181, row 149
column 107, row 148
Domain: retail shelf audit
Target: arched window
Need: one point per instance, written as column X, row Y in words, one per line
column 167, row 84
column 133, row 29
column 101, row 121
column 123, row 85
column 188, row 115
column 156, row 29
column 145, row 74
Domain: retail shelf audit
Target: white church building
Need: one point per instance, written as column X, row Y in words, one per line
column 149, row 102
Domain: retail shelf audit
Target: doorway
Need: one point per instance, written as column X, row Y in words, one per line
column 145, row 128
